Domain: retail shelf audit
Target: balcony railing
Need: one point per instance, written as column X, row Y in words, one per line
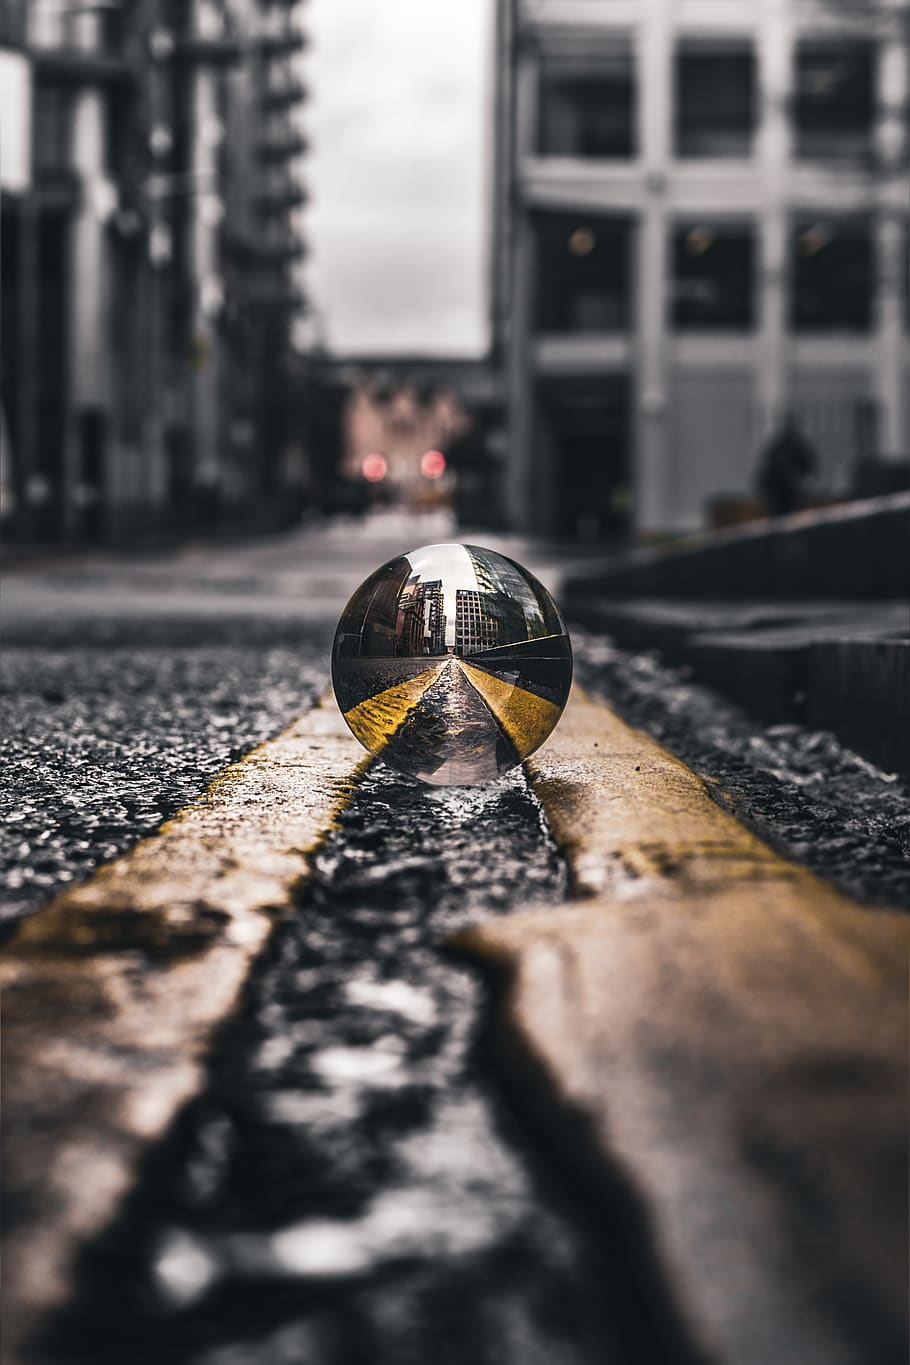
column 251, row 253
column 275, row 202
column 79, row 68
column 281, row 147
column 284, row 97
column 222, row 50
column 280, row 253
column 282, row 44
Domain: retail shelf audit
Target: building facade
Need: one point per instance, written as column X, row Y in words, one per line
column 403, row 406
column 476, row 625
column 400, row 410
column 700, row 223
column 149, row 267
column 421, row 628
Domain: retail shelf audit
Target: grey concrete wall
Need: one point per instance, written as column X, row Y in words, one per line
column 859, row 550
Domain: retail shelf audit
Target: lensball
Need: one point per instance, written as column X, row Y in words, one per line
column 451, row 663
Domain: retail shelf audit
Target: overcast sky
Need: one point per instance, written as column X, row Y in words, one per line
column 398, row 173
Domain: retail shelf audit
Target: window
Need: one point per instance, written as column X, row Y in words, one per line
column 588, row 110
column 832, row 276
column 713, row 276
column 715, row 100
column 833, row 106
column 13, row 15
column 111, row 30
column 582, row 273
column 588, row 424
column 53, row 128
column 118, row 129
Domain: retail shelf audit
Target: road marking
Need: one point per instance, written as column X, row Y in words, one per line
column 378, row 719
column 727, row 1033
column 112, row 993
column 526, row 718
column 633, row 820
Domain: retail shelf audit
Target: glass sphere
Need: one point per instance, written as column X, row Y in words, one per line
column 451, row 663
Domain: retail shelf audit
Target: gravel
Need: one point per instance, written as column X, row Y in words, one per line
column 112, row 727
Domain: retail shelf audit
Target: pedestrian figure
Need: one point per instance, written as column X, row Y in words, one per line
column 785, row 464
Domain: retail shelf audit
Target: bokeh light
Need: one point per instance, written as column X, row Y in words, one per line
column 432, row 464
column 374, row 467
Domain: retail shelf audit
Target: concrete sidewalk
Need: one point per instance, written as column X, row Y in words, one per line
column 856, row 550
column 802, row 620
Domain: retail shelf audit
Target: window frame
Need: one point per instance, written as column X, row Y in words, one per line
column 720, row 48
column 822, row 144
column 618, row 259
column 844, row 226
column 561, row 70
column 741, row 226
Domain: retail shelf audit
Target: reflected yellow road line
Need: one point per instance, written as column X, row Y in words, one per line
column 526, row 718
column 112, row 993
column 379, row 718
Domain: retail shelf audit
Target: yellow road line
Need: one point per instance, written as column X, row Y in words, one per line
column 526, row 718
column 379, row 718
column 727, row 1031
column 112, row 993
column 633, row 820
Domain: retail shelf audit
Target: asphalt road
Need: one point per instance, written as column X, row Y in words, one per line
column 127, row 685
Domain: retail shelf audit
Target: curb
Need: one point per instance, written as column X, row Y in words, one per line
column 843, row 667
column 857, row 550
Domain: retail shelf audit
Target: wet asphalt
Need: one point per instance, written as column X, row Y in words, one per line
column 351, row 1186
column 112, row 726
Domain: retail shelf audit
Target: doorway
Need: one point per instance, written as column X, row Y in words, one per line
column 588, row 458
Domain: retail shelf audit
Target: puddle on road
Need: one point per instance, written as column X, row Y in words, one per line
column 348, row 1190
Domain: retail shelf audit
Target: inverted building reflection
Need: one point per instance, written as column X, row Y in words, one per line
column 452, row 663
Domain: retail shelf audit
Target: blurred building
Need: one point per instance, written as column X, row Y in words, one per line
column 700, row 220
column 402, row 406
column 150, row 264
column 399, row 416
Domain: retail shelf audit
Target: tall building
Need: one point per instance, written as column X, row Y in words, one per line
column 435, row 616
column 476, row 627
column 262, row 239
column 149, row 265
column 421, row 628
column 700, row 221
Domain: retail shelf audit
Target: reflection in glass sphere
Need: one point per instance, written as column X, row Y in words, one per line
column 451, row 663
